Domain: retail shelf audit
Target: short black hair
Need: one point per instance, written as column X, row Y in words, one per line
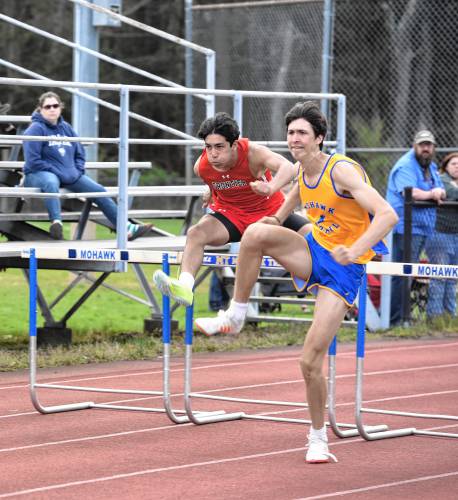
column 310, row 111
column 221, row 124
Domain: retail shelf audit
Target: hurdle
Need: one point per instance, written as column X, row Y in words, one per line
column 138, row 256
column 176, row 416
column 341, row 430
column 435, row 271
column 203, row 417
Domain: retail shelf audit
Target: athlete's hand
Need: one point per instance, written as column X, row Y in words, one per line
column 343, row 255
column 261, row 187
column 268, row 219
column 206, row 198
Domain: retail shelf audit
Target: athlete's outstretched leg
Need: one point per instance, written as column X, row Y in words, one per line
column 208, row 231
column 288, row 248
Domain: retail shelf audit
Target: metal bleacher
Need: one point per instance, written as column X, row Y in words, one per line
column 18, row 221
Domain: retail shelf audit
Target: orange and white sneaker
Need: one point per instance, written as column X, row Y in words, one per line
column 225, row 322
column 318, row 451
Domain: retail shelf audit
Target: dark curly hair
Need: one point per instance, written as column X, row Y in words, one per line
column 221, row 124
column 309, row 111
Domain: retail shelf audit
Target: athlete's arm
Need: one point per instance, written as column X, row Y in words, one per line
column 260, row 159
column 291, row 201
column 348, row 179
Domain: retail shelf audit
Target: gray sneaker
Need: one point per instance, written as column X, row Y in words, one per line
column 138, row 230
column 56, row 231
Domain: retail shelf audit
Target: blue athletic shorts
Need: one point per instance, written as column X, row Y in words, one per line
column 344, row 281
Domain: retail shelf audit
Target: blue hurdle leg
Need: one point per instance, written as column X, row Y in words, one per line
column 33, row 284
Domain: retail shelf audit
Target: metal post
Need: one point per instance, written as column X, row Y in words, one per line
column 326, row 58
column 198, row 417
column 385, row 291
column 407, row 253
column 85, row 113
column 189, row 123
column 211, row 80
column 341, row 124
column 238, row 110
column 123, row 174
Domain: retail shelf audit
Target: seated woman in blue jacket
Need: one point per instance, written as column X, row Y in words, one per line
column 52, row 164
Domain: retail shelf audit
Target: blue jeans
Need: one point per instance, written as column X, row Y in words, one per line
column 442, row 248
column 418, row 245
column 50, row 183
column 218, row 296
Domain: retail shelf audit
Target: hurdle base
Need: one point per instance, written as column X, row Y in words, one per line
column 54, row 336
column 154, row 326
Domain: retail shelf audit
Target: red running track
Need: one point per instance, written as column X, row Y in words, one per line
column 106, row 454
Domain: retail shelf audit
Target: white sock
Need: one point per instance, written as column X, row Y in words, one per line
column 187, row 279
column 320, row 433
column 239, row 309
column 58, row 221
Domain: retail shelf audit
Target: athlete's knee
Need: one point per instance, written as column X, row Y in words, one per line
column 311, row 363
column 255, row 235
column 197, row 235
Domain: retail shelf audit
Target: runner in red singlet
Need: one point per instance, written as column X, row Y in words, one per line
column 236, row 172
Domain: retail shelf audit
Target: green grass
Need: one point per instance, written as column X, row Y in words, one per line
column 109, row 326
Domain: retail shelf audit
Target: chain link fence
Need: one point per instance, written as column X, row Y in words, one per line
column 395, row 60
column 269, row 46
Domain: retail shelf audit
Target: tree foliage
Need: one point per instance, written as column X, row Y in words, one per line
column 135, row 47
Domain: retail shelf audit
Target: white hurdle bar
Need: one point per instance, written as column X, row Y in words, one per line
column 435, row 271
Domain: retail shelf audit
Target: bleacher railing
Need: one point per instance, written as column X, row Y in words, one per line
column 124, row 140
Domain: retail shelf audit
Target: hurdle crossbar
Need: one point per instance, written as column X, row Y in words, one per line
column 214, row 259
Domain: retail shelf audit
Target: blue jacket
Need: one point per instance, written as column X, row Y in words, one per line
column 63, row 158
column 407, row 172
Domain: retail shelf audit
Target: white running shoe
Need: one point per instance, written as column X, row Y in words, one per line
column 173, row 288
column 223, row 323
column 318, row 451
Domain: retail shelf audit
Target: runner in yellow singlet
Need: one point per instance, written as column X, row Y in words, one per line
column 349, row 218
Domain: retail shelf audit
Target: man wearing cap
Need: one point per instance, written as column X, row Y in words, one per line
column 414, row 169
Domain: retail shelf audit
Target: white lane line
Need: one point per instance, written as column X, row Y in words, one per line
column 153, row 372
column 175, row 426
column 181, row 467
column 237, row 363
column 271, row 384
column 152, row 471
column 380, row 486
column 92, row 438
